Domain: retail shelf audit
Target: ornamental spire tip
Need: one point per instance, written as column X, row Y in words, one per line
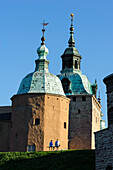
column 43, row 30
column 71, row 40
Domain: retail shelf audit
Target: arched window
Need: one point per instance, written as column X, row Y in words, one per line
column 109, row 167
column 76, row 64
column 66, row 85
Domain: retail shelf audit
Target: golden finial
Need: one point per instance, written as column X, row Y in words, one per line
column 72, row 17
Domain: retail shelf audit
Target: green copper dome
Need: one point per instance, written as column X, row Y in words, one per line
column 76, row 83
column 41, row 80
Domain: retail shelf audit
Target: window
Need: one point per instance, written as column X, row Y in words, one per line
column 109, row 167
column 66, row 85
column 74, row 99
column 76, row 64
column 64, row 125
column 78, row 110
column 63, row 64
column 96, row 119
column 83, row 98
column 16, row 135
column 30, row 148
column 11, row 124
column 37, row 121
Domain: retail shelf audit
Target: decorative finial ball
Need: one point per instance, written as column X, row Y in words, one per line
column 71, row 29
column 43, row 38
column 71, row 15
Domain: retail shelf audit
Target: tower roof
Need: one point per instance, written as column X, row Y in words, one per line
column 71, row 42
column 71, row 76
column 41, row 80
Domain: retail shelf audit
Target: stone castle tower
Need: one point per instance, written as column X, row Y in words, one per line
column 40, row 109
column 85, row 109
column 104, row 138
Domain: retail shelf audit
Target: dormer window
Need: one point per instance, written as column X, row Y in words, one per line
column 66, row 85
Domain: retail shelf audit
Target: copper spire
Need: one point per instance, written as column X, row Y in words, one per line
column 71, row 39
column 43, row 30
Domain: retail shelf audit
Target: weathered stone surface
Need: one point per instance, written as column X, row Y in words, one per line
column 5, row 125
column 104, row 148
column 104, row 138
column 52, row 110
column 5, row 109
column 84, row 120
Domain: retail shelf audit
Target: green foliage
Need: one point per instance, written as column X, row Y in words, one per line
column 57, row 160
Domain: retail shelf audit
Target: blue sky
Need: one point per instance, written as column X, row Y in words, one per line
column 20, row 34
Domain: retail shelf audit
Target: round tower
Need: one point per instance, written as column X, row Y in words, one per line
column 39, row 109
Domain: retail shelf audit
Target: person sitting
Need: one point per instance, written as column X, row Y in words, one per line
column 57, row 144
column 51, row 145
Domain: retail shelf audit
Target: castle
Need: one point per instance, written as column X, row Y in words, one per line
column 46, row 106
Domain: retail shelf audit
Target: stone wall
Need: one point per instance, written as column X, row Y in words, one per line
column 51, row 111
column 104, row 138
column 57, row 114
column 104, row 148
column 96, row 112
column 82, row 121
column 25, row 108
column 5, row 126
column 5, row 109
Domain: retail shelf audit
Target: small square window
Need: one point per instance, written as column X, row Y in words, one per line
column 64, row 125
column 78, row 110
column 37, row 121
column 74, row 99
column 83, row 98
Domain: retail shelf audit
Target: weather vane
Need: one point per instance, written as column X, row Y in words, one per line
column 72, row 17
column 43, row 30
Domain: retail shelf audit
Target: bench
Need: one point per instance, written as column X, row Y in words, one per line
column 53, row 147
